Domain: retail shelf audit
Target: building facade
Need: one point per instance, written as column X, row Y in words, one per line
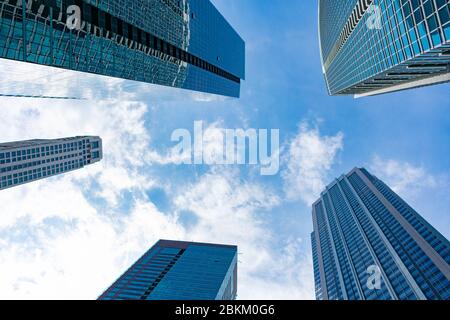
column 186, row 44
column 371, row 47
column 173, row 270
column 26, row 161
column 369, row 244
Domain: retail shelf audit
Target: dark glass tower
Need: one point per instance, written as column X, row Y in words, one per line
column 186, row 44
column 369, row 244
column 371, row 47
column 26, row 161
column 173, row 270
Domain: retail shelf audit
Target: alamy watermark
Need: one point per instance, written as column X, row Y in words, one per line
column 73, row 21
column 219, row 146
column 374, row 280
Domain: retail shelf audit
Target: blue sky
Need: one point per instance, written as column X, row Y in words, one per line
column 70, row 236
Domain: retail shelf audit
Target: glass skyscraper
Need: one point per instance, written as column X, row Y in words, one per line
column 26, row 161
column 369, row 244
column 178, row 43
column 371, row 47
column 173, row 270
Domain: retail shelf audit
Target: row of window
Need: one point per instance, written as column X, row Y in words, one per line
column 51, row 148
column 23, row 158
column 33, row 153
column 39, row 162
column 39, row 173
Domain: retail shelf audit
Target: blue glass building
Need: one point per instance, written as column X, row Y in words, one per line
column 26, row 161
column 369, row 244
column 371, row 47
column 179, row 43
column 173, row 270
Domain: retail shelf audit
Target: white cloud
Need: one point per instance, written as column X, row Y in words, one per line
column 230, row 210
column 291, row 268
column 309, row 158
column 403, row 177
column 207, row 97
column 61, row 247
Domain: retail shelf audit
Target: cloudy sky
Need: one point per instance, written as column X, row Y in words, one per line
column 72, row 235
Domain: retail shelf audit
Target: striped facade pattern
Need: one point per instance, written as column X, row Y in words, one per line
column 360, row 224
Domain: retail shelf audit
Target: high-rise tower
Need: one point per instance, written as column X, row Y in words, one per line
column 173, row 270
column 186, row 44
column 371, row 47
column 26, row 161
column 369, row 244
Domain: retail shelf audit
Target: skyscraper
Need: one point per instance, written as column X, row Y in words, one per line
column 173, row 270
column 186, row 44
column 371, row 47
column 26, row 161
column 370, row 244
